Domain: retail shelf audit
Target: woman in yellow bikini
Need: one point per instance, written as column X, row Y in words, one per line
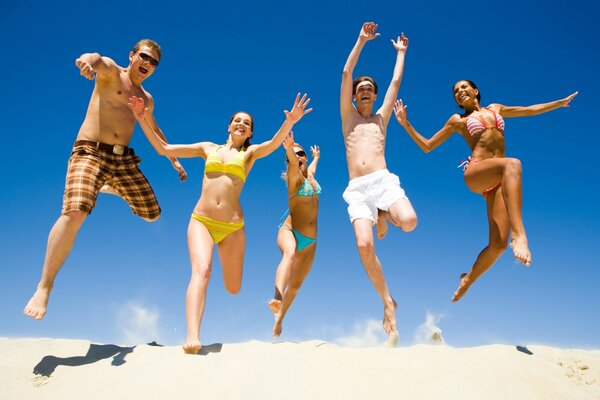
column 487, row 171
column 218, row 216
column 297, row 237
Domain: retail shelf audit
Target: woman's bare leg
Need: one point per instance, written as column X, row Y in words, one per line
column 200, row 245
column 302, row 263
column 287, row 244
column 484, row 174
column 231, row 253
column 499, row 229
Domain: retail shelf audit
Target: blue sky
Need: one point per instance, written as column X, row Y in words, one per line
column 125, row 280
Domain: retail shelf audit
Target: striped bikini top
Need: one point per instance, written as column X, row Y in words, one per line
column 475, row 126
column 236, row 166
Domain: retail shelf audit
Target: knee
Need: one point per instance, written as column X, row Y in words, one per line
column 288, row 254
column 233, row 288
column 409, row 224
column 201, row 271
column 75, row 217
column 514, row 167
column 365, row 246
column 498, row 245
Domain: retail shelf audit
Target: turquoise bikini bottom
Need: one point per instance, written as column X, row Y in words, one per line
column 302, row 241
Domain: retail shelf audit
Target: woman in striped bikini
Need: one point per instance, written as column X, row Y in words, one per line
column 487, row 171
column 297, row 236
column 218, row 217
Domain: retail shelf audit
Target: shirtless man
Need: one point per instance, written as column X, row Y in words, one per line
column 101, row 157
column 374, row 195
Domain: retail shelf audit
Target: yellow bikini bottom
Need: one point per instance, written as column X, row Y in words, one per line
column 218, row 230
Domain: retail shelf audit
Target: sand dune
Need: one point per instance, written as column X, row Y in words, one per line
column 77, row 369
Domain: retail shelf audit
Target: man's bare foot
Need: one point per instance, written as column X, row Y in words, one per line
column 36, row 307
column 462, row 288
column 192, row 347
column 381, row 228
column 389, row 318
column 521, row 250
column 277, row 327
column 275, row 305
column 393, row 339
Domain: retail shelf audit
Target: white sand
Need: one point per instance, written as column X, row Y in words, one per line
column 76, row 369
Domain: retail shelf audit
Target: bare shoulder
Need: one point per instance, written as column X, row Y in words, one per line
column 457, row 122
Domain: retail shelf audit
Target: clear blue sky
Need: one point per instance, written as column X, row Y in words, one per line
column 125, row 280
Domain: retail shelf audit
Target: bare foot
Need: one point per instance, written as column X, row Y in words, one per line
column 275, row 305
column 521, row 250
column 277, row 327
column 462, row 288
column 393, row 339
column 389, row 318
column 381, row 228
column 192, row 347
column 36, row 307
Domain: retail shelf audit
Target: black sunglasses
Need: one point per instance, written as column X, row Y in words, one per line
column 301, row 153
column 148, row 59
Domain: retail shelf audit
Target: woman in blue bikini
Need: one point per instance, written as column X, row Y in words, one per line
column 487, row 171
column 298, row 230
column 218, row 217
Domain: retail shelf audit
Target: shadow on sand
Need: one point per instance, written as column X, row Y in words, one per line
column 96, row 352
column 210, row 348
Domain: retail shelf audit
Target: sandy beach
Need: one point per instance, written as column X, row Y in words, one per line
column 77, row 369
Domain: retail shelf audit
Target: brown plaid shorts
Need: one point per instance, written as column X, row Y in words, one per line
column 90, row 168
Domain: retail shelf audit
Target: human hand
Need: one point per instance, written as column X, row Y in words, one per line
column 315, row 151
column 567, row 100
column 137, row 105
column 401, row 44
column 298, row 110
column 368, row 31
column 400, row 112
column 288, row 142
column 85, row 69
column 179, row 168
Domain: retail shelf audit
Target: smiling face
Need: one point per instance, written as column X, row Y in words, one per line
column 365, row 93
column 466, row 94
column 241, row 125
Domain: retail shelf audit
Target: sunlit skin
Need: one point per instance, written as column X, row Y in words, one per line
column 489, row 166
column 285, row 239
column 109, row 120
column 303, row 218
column 219, row 200
column 364, row 132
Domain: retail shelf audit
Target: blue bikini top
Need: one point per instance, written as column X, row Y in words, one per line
column 307, row 190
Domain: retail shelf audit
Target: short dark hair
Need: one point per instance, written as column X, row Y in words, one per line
column 473, row 85
column 363, row 79
column 150, row 43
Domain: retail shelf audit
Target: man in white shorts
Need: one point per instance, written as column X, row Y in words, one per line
column 374, row 195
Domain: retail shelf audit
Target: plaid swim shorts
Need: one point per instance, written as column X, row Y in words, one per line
column 90, row 168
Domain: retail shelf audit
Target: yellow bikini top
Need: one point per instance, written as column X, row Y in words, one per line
column 235, row 166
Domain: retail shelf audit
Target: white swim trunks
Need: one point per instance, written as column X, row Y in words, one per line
column 366, row 194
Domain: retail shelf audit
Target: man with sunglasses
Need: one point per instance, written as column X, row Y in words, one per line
column 101, row 159
column 374, row 195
